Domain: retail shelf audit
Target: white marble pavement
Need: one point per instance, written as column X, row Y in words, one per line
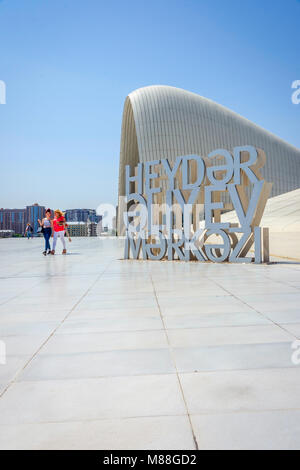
column 110, row 354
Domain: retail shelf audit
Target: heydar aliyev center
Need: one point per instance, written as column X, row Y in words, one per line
column 166, row 122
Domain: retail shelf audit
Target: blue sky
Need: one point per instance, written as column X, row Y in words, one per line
column 69, row 65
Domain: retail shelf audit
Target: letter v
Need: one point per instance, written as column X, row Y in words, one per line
column 245, row 219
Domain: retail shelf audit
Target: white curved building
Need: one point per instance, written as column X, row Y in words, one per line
column 166, row 122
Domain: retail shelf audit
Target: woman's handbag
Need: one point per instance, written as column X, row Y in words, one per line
column 40, row 230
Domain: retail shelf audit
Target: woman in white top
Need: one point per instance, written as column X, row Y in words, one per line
column 47, row 231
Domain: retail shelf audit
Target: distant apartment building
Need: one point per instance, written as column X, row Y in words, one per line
column 83, row 229
column 78, row 229
column 12, row 220
column 82, row 215
column 32, row 214
column 94, row 229
column 17, row 219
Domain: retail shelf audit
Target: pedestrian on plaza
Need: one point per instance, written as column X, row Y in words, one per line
column 28, row 231
column 46, row 229
column 59, row 226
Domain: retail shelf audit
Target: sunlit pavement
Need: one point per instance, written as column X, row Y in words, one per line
column 111, row 354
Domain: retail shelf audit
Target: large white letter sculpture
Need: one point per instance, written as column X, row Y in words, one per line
column 165, row 205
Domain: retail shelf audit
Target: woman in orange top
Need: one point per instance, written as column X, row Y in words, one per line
column 59, row 229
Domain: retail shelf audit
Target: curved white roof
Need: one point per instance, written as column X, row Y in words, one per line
column 166, row 122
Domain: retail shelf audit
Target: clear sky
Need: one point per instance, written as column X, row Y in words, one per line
column 69, row 64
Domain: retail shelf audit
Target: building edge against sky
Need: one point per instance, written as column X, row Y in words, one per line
column 166, row 122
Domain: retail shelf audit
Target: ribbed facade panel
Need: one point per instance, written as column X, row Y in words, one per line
column 166, row 122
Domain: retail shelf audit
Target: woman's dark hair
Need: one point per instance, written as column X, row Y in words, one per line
column 48, row 210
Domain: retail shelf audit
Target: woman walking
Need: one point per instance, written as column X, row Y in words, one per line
column 46, row 225
column 59, row 228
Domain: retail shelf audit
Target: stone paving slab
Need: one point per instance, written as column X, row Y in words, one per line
column 114, row 354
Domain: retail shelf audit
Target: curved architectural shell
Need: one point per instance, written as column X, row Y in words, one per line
column 166, row 122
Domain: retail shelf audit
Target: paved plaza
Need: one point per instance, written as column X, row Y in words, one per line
column 104, row 353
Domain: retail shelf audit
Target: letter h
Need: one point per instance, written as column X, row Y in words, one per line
column 137, row 178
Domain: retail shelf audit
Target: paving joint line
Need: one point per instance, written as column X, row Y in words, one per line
column 255, row 310
column 21, row 293
column 175, row 365
column 53, row 332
